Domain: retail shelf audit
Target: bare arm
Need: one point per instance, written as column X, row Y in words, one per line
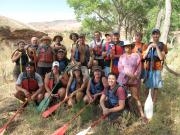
column 46, row 80
column 102, row 101
column 16, row 56
column 120, row 107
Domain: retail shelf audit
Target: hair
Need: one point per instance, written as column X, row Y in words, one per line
column 111, row 73
column 139, row 34
column 73, row 34
column 98, row 32
column 30, row 64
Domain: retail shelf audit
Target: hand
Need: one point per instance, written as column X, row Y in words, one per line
column 95, row 96
column 55, row 95
column 104, row 54
column 33, row 97
column 91, row 99
column 106, row 111
column 27, row 94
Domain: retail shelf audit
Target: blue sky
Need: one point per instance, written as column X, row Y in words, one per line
column 36, row 10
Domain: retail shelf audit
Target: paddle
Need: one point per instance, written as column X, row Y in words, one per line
column 62, row 130
column 3, row 128
column 53, row 108
column 46, row 101
column 84, row 132
column 148, row 106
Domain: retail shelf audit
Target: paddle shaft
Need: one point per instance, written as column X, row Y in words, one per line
column 98, row 120
column 12, row 118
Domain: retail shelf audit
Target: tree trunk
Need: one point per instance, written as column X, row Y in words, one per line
column 159, row 19
column 167, row 21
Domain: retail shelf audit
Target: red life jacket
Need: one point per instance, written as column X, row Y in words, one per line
column 45, row 54
column 97, row 50
column 107, row 48
column 29, row 83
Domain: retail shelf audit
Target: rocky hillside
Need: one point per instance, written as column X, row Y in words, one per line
column 13, row 30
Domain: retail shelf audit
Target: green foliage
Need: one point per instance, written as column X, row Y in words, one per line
column 107, row 15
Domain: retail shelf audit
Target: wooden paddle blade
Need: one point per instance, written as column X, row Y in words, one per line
column 62, row 130
column 2, row 130
column 84, row 132
column 49, row 111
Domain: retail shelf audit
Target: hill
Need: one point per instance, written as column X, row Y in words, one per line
column 13, row 30
column 57, row 25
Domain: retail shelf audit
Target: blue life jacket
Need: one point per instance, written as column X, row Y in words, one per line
column 77, row 55
column 62, row 64
column 96, row 87
column 111, row 96
column 154, row 53
column 73, row 86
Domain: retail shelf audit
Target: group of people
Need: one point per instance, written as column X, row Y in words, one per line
column 105, row 70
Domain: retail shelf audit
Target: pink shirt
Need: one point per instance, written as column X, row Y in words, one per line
column 129, row 64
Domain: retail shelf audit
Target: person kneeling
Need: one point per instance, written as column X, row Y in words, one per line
column 95, row 86
column 29, row 85
column 76, row 86
column 113, row 99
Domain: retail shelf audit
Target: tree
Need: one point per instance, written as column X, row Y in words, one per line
column 167, row 21
column 106, row 15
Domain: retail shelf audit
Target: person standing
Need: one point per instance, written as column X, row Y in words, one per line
column 96, row 47
column 116, row 52
column 20, row 57
column 154, row 54
column 129, row 66
column 45, row 56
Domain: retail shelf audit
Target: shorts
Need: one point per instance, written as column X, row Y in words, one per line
column 154, row 79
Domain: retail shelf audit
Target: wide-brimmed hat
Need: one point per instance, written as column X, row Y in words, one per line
column 76, row 68
column 96, row 68
column 61, row 50
column 58, row 36
column 127, row 43
column 45, row 38
column 155, row 31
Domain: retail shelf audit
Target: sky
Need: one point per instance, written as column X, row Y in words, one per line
column 36, row 10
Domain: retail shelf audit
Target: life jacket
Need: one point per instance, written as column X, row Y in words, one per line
column 23, row 58
column 63, row 64
column 107, row 48
column 87, row 55
column 77, row 55
column 29, row 83
column 154, row 53
column 117, row 50
column 111, row 96
column 45, row 54
column 96, row 87
column 97, row 50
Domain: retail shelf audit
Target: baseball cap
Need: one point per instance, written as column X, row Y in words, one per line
column 155, row 31
column 55, row 63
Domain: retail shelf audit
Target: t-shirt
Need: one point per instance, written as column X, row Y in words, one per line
column 37, row 78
